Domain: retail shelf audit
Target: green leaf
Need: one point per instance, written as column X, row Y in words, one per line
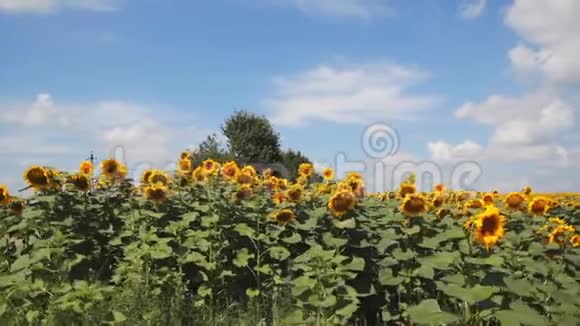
column 452, row 234
column 441, row 260
column 244, row 230
column 152, row 214
column 345, row 224
column 252, row 293
column 332, row 241
column 189, row 217
column 399, row 255
column 494, row 260
column 413, row 230
column 294, row 238
column 519, row 317
column 520, row 287
column 118, row 316
column 357, row 264
column 21, row 263
column 471, row 295
column 243, row 257
column 428, row 312
column 425, row 271
column 301, row 284
column 279, row 253
column 160, row 251
column 386, row 278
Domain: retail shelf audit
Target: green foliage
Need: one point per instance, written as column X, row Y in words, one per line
column 251, row 138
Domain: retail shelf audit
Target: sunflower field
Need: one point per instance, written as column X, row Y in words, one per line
column 222, row 244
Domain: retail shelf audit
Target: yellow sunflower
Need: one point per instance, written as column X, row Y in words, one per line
column 413, row 205
column 86, row 167
column 475, row 203
column 245, row 177
column 294, row 193
column 463, row 196
column 437, row 201
column 342, row 202
column 278, row 197
column 442, row 212
column 158, row 176
column 244, row 192
column 249, row 170
column 156, row 192
column 527, row 190
column 356, row 185
column 4, row 195
column 284, row 216
column 489, row 227
column 406, row 189
column 230, row 170
column 575, row 240
column 488, row 199
column 301, row 180
column 210, row 167
column 282, row 183
column 539, row 206
column 560, row 233
column 37, row 177
column 328, row 174
column 305, row 170
column 146, row 176
column 81, row 181
column 184, row 166
column 267, row 173
column 353, row 175
column 514, row 200
column 198, row 174
column 110, row 168
column 439, row 188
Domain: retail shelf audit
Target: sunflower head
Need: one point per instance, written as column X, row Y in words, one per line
column 184, row 166
column 305, row 170
column 282, row 183
column 539, row 206
column 156, row 192
column 249, row 170
column 413, row 205
column 439, row 188
column 353, row 175
column 575, row 240
column 406, row 189
column 342, row 202
column 80, row 181
column 301, row 180
column 488, row 199
column 279, row 197
column 475, row 203
column 514, row 200
column 37, row 177
column 210, row 167
column 110, row 168
column 158, row 176
column 4, row 195
column 294, row 193
column 437, row 201
column 463, row 196
column 442, row 212
column 284, row 216
column 527, row 190
column 86, row 167
column 489, row 227
column 560, row 233
column 328, row 174
column 146, row 176
column 246, row 177
column 185, row 155
column 199, row 175
column 244, row 192
column 230, row 170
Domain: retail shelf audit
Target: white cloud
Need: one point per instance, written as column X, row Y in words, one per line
column 551, row 29
column 52, row 6
column 470, row 9
column 534, row 118
column 444, row 152
column 359, row 9
column 348, row 94
column 48, row 127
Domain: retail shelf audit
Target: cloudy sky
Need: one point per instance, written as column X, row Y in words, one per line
column 494, row 84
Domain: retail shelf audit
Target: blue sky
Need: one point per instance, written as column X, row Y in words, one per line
column 495, row 83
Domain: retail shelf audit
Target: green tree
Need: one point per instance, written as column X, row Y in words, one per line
column 251, row 138
column 211, row 148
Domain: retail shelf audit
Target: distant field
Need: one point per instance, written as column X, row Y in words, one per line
column 222, row 244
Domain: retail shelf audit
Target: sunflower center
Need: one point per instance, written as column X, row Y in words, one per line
column 343, row 202
column 284, row 216
column 414, row 205
column 37, row 177
column 515, row 201
column 489, row 224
